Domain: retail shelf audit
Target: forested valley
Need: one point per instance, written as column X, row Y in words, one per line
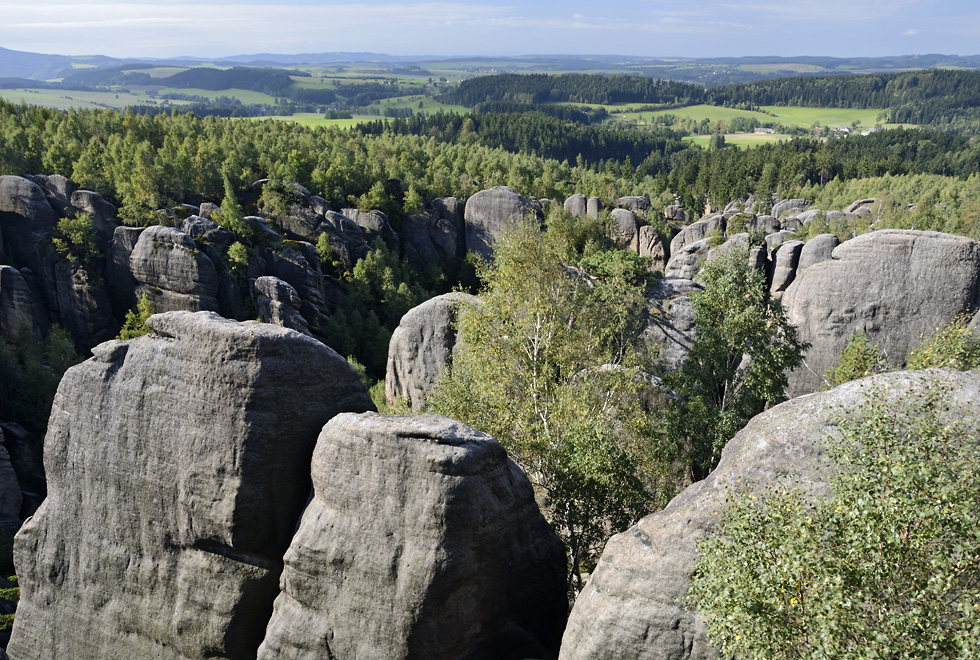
column 603, row 427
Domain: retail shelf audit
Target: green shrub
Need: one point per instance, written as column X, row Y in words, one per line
column 857, row 360
column 885, row 567
column 954, row 345
column 74, row 239
column 135, row 324
column 237, row 257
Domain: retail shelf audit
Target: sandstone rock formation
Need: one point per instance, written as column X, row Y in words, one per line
column 895, row 285
column 18, row 308
column 817, row 249
column 784, row 267
column 25, row 216
column 489, row 212
column 172, row 272
column 577, row 205
column 635, row 203
column 624, row 222
column 421, row 347
column 634, row 604
column 696, row 231
column 686, row 261
column 650, row 245
column 670, row 321
column 593, row 205
column 177, row 469
column 422, row 541
column 279, row 303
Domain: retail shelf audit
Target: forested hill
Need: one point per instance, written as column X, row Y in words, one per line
column 574, row 88
column 917, row 97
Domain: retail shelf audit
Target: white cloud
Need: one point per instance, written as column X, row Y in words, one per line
column 910, row 33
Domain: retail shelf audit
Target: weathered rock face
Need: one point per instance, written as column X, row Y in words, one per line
column 817, row 249
column 697, row 231
column 437, row 234
column 624, row 221
column 670, row 321
column 577, row 205
column 279, row 303
column 650, row 245
column 103, row 213
column 25, row 216
column 635, row 203
column 177, row 468
column 375, row 224
column 18, row 309
column 26, row 457
column 83, row 305
column 10, row 497
column 593, row 206
column 784, row 267
column 171, row 271
column 686, row 262
column 895, row 285
column 422, row 541
column 788, row 206
column 633, row 606
column 489, row 212
column 421, row 347
column 57, row 189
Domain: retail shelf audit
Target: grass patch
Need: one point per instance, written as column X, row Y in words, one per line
column 833, row 117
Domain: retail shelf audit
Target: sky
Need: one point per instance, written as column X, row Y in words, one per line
column 662, row 28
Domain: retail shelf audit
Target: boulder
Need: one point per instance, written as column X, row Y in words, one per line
column 438, row 234
column 714, row 223
column 896, row 285
column 422, row 541
column 177, row 468
column 489, row 212
column 624, row 222
column 421, row 348
column 817, row 249
column 593, row 206
column 670, row 321
column 299, row 266
column 58, row 190
column 279, row 303
column 866, row 203
column 82, row 304
column 675, row 213
column 104, row 220
column 686, row 262
column 650, row 245
column 375, row 224
column 633, row 605
column 25, row 216
column 577, row 205
column 450, row 227
column 784, row 267
column 767, row 224
column 788, row 207
column 635, row 203
column 170, row 269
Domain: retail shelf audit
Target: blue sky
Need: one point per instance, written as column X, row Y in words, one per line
column 665, row 28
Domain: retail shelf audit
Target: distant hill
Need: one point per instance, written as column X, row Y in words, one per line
column 37, row 66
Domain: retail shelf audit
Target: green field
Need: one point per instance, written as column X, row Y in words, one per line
column 245, row 96
column 314, row 120
column 740, row 140
column 833, row 117
column 429, row 104
column 63, row 100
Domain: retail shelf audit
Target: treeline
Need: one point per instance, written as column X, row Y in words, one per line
column 539, row 88
column 143, row 162
column 920, row 97
column 543, row 135
column 274, row 82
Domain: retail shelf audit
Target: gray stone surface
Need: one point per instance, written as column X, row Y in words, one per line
column 784, row 267
column 10, row 497
column 696, row 231
column 489, row 212
column 593, row 206
column 577, row 205
column 635, row 203
column 421, row 348
column 82, row 304
column 375, row 224
column 166, row 260
column 650, row 245
column 633, row 605
column 624, row 222
column 177, row 469
column 25, row 216
column 895, row 285
column 686, row 262
column 18, row 308
column 422, row 541
column 57, row 189
column 279, row 303
column 104, row 220
column 817, row 249
column 788, row 207
column 670, row 321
